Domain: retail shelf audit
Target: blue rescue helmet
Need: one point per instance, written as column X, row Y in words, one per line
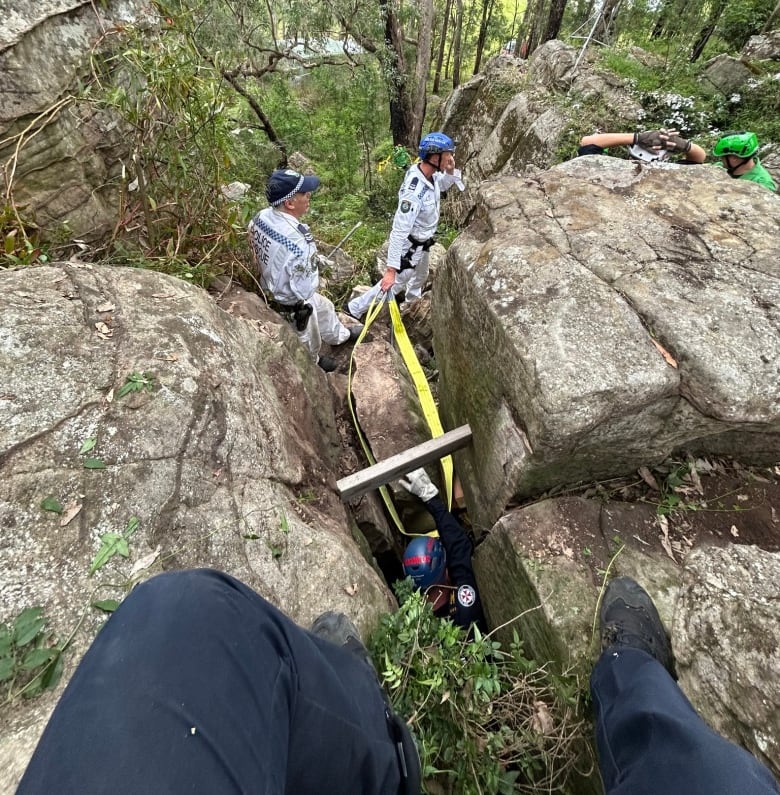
column 425, row 562
column 434, row 144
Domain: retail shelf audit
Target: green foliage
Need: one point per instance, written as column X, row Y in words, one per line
column 136, row 382
column 51, row 504
column 29, row 661
column 743, row 19
column 485, row 720
column 112, row 544
column 21, row 246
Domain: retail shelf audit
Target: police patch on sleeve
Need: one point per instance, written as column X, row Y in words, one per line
column 405, row 206
column 466, row 595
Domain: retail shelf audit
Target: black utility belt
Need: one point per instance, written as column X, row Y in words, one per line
column 296, row 313
column 406, row 260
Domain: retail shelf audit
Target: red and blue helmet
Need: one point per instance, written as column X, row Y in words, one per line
column 425, row 562
column 434, row 144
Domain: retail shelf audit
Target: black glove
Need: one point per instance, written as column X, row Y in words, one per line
column 676, row 143
column 302, row 314
column 651, row 140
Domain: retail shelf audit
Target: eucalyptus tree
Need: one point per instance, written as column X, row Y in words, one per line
column 247, row 41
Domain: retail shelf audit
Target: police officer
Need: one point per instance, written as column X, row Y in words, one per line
column 414, row 224
column 442, row 566
column 285, row 254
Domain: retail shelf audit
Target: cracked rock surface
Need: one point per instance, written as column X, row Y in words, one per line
column 603, row 315
column 226, row 462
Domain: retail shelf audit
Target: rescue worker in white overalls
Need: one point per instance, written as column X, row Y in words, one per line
column 414, row 224
column 286, row 257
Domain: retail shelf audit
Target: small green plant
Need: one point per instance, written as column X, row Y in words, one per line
column 113, row 544
column 136, row 382
column 486, row 720
column 51, row 504
column 29, row 662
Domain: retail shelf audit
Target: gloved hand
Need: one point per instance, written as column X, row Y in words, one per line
column 676, row 143
column 651, row 140
column 418, row 483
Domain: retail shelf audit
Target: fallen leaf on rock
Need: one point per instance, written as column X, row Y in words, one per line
column 734, row 531
column 69, row 512
column 105, row 307
column 665, row 543
column 351, row 589
column 542, row 721
column 668, row 356
column 145, row 561
column 649, row 478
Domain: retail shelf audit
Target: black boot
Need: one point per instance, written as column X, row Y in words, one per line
column 327, row 364
column 338, row 629
column 629, row 619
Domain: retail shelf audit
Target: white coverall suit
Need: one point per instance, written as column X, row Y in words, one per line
column 419, row 203
column 285, row 252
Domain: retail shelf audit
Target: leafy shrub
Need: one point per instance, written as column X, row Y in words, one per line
column 486, row 720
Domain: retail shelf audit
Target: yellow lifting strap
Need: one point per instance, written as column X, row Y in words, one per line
column 430, row 412
column 424, row 394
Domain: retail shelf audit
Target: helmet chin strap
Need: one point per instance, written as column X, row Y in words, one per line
column 742, row 160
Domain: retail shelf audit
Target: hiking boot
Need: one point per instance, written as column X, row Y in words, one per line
column 327, row 364
column 355, row 332
column 628, row 619
column 338, row 629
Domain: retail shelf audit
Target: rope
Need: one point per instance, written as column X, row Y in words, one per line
column 430, row 412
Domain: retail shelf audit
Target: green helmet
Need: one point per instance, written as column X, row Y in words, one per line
column 742, row 144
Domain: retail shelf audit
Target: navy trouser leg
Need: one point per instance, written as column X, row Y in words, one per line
column 197, row 685
column 651, row 740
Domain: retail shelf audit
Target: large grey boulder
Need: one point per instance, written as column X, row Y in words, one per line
column 602, row 316
column 62, row 156
column 228, row 462
column 726, row 643
column 724, row 74
column 764, row 46
column 512, row 117
column 542, row 569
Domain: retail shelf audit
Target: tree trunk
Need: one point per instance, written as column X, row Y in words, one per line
column 772, row 17
column 557, row 7
column 442, row 46
column 532, row 26
column 456, row 41
column 422, row 69
column 716, row 9
column 395, row 65
column 487, row 13
column 606, row 23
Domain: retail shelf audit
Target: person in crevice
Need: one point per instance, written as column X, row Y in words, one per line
column 442, row 567
column 650, row 739
column 738, row 154
column 414, row 224
column 286, row 256
column 648, row 147
column 196, row 684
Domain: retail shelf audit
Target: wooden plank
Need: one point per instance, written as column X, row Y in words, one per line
column 391, row 468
